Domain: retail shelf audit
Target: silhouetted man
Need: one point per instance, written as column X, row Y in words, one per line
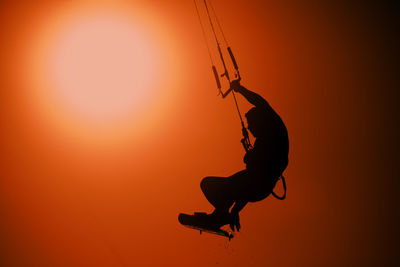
column 265, row 163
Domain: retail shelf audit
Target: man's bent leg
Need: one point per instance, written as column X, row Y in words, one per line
column 217, row 190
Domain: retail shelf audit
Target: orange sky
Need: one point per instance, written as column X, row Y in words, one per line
column 78, row 193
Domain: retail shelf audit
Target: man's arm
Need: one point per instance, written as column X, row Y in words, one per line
column 253, row 98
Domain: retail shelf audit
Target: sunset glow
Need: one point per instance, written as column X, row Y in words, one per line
column 103, row 68
column 111, row 118
column 100, row 69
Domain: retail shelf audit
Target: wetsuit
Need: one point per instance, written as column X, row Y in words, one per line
column 265, row 162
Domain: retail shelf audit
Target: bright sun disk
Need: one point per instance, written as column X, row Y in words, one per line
column 102, row 68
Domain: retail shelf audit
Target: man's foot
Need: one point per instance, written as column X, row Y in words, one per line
column 234, row 221
column 220, row 218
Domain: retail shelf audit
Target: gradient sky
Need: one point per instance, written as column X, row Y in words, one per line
column 86, row 184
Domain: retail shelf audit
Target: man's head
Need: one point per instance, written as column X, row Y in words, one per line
column 255, row 121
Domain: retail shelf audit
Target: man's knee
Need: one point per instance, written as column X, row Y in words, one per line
column 204, row 183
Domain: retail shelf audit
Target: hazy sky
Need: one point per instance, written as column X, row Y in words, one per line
column 110, row 119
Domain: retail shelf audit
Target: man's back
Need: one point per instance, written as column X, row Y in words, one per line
column 270, row 151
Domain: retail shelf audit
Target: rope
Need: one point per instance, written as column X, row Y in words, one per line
column 220, row 53
column 219, row 25
column 237, row 108
column 209, row 18
column 245, row 141
column 204, row 32
column 226, row 73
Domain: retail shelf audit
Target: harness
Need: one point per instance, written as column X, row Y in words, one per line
column 284, row 188
column 245, row 135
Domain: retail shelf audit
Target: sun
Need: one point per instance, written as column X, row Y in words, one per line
column 103, row 67
column 101, row 70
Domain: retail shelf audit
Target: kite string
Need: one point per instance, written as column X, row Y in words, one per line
column 223, row 63
column 219, row 25
column 204, row 32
